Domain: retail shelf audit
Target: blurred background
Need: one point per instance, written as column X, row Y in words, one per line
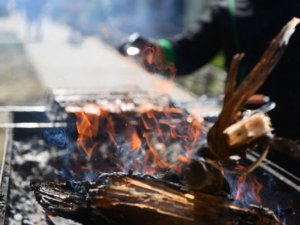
column 24, row 23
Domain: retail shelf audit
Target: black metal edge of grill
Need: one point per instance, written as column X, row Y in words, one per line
column 12, row 134
column 5, row 173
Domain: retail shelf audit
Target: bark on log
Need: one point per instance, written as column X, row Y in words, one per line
column 132, row 200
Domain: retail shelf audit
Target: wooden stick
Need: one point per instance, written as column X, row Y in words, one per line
column 231, row 82
column 236, row 98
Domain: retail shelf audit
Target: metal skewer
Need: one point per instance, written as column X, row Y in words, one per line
column 23, row 108
column 277, row 171
column 34, row 125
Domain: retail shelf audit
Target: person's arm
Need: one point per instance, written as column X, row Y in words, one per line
column 185, row 52
column 197, row 46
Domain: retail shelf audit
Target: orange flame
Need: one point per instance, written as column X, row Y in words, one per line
column 110, row 129
column 158, row 161
column 194, row 133
column 136, row 142
column 184, row 159
column 151, row 149
column 248, row 185
column 87, row 127
column 165, row 128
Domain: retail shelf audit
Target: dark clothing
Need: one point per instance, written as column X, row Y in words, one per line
column 254, row 25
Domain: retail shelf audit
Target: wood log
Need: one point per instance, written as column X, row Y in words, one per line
column 131, row 200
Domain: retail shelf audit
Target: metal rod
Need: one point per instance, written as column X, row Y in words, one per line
column 277, row 172
column 5, row 174
column 23, row 108
column 34, row 125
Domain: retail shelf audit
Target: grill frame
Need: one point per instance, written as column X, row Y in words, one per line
column 5, row 173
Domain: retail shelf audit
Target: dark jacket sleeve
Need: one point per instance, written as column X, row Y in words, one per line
column 198, row 45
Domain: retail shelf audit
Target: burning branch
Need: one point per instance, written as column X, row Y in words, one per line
column 220, row 139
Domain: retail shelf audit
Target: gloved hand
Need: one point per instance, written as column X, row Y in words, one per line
column 147, row 52
column 134, row 45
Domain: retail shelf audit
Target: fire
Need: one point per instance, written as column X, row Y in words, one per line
column 152, row 154
column 248, row 189
column 148, row 142
column 87, row 127
column 110, row 129
column 136, row 142
column 184, row 159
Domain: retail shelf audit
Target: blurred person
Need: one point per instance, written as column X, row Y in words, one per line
column 235, row 26
column 33, row 14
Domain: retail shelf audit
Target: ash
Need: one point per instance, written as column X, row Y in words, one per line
column 33, row 160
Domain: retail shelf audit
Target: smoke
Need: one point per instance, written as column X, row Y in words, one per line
column 110, row 20
column 58, row 137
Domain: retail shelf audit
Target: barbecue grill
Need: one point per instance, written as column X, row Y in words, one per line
column 41, row 147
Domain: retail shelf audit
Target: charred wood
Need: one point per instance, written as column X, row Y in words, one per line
column 129, row 199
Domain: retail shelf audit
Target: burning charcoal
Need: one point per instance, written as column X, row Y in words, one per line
column 122, row 199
